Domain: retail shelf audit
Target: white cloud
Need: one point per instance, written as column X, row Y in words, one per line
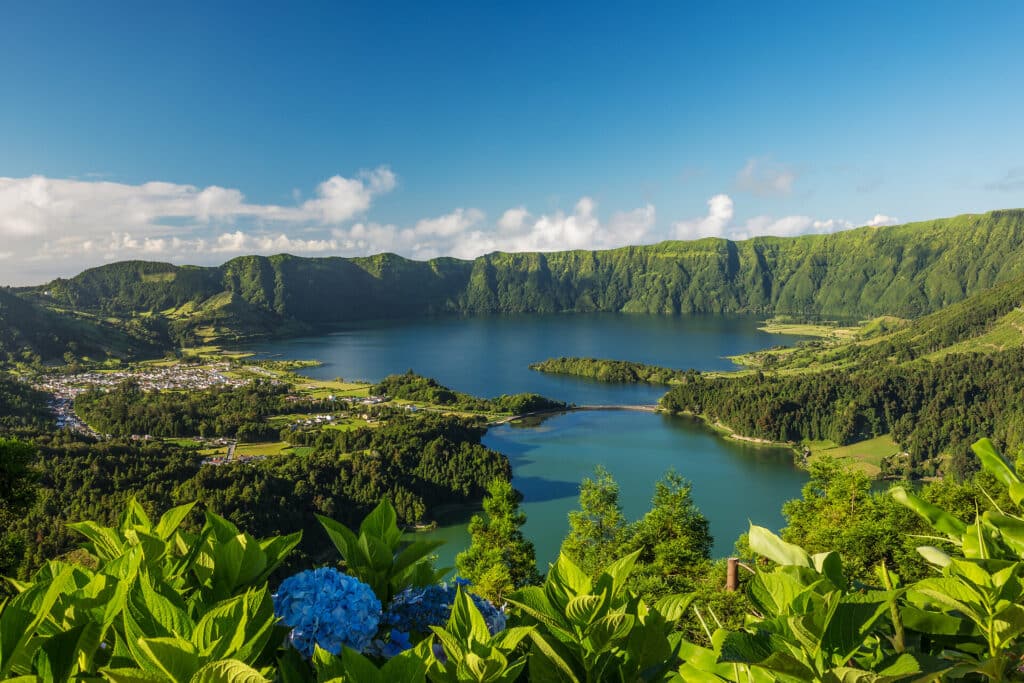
column 719, row 223
column 518, row 230
column 51, row 227
column 881, row 219
column 720, row 213
column 761, row 177
column 449, row 225
column 38, row 206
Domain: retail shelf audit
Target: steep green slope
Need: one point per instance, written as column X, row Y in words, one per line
column 29, row 331
column 934, row 384
column 906, row 271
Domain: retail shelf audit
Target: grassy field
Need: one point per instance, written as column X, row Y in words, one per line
column 810, row 330
column 865, row 456
column 263, row 448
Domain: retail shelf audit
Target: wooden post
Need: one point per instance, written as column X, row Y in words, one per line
column 732, row 581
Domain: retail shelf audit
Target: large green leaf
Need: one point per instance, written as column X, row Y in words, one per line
column 993, row 463
column 126, row 675
column 58, row 656
column 103, row 541
column 672, row 607
column 171, row 520
column 23, row 615
column 228, row 671
column 609, row 631
column 765, row 543
column 382, row 523
column 939, row 519
column 343, row 539
column 175, row 657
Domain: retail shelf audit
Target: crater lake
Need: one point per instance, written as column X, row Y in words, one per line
column 733, row 482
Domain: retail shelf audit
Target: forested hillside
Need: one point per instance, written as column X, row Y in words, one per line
column 29, row 332
column 933, row 384
column 906, row 270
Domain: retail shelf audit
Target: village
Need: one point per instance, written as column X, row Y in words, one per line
column 63, row 388
column 174, row 377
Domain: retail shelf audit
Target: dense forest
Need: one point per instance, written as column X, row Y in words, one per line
column 907, row 271
column 417, row 461
column 412, row 387
column 229, row 412
column 606, row 370
column 933, row 384
column 930, row 408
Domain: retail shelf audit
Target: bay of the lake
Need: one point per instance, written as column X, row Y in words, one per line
column 733, row 482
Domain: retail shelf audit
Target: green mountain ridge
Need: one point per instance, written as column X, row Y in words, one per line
column 906, row 270
column 32, row 332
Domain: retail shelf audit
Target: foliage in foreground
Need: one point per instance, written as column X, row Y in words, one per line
column 160, row 604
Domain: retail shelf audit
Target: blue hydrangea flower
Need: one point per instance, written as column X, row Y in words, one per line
column 417, row 609
column 327, row 608
column 387, row 647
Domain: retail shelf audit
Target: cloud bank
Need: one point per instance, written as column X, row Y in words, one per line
column 51, row 227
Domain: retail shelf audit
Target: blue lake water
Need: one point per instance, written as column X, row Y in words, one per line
column 732, row 482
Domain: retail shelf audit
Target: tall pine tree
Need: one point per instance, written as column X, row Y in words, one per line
column 598, row 529
column 499, row 558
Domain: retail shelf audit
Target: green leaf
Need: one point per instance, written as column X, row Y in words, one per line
column 343, row 539
column 620, row 569
column 550, row 662
column 172, row 519
column 171, row 617
column 376, row 552
column 533, row 601
column 775, row 593
column 466, row 622
column 58, row 656
column 934, row 555
column 327, row 665
column 134, row 516
column 608, row 631
column 765, row 543
column 103, row 541
column 993, row 463
column 940, row 520
column 830, row 565
column 382, row 524
column 359, row 668
column 223, row 530
column 124, row 675
column 413, row 553
column 176, row 657
column 407, row 667
column 254, row 561
column 24, row 614
column 277, row 550
column 228, row 671
column 850, row 623
column 673, row 607
column 583, row 609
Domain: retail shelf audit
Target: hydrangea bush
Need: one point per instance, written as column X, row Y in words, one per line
column 327, row 608
column 417, row 609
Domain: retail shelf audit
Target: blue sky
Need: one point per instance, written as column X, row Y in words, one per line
column 194, row 132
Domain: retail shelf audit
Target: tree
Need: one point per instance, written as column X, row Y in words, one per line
column 499, row 558
column 673, row 538
column 838, row 511
column 17, row 492
column 598, row 529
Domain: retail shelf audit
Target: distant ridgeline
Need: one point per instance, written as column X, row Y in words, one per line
column 905, row 271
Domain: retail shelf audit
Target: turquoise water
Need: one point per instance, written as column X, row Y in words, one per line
column 732, row 482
